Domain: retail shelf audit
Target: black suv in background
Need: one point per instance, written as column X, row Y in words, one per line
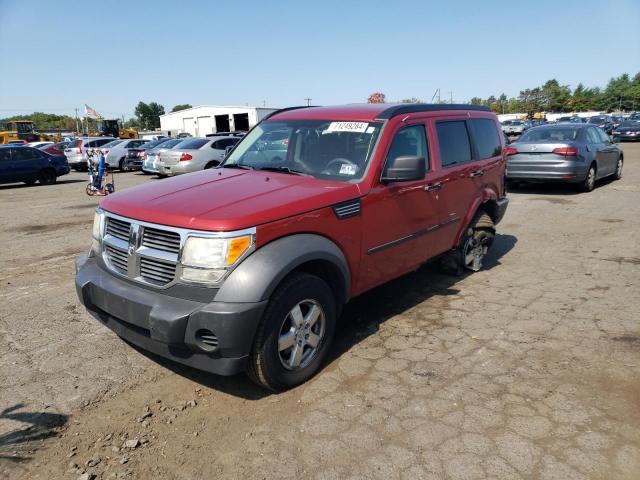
column 28, row 165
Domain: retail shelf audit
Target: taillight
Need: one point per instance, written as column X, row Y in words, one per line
column 140, row 154
column 566, row 151
column 185, row 156
column 511, row 151
column 80, row 147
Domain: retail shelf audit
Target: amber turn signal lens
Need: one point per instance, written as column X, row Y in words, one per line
column 237, row 247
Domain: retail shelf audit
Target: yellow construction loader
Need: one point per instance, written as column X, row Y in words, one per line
column 23, row 131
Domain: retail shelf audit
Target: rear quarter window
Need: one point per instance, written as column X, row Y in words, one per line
column 453, row 139
column 485, row 138
column 194, row 144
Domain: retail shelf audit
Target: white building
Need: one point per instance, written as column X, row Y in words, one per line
column 205, row 119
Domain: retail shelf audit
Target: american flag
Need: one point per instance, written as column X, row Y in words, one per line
column 90, row 112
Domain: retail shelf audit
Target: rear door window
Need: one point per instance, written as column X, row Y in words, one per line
column 453, row 139
column 485, row 138
column 193, row 144
column 5, row 155
column 104, row 141
column 592, row 136
column 23, row 154
column 604, row 138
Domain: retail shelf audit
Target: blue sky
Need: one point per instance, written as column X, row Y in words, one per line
column 58, row 55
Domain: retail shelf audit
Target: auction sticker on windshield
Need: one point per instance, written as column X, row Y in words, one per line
column 356, row 127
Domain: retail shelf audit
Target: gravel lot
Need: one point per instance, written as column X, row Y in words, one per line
column 527, row 369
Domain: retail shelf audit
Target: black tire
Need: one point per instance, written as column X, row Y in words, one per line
column 589, row 183
column 266, row 365
column 47, row 177
column 469, row 254
column 212, row 164
column 30, row 182
column 618, row 174
column 121, row 165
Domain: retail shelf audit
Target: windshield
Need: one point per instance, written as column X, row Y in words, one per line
column 321, row 148
column 542, row 134
column 597, row 120
column 112, row 144
column 192, row 143
column 631, row 124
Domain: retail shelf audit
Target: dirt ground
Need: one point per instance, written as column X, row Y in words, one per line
column 527, row 369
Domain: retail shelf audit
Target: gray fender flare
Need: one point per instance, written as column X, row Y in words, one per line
column 256, row 278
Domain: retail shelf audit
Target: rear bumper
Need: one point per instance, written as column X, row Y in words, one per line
column 133, row 164
column 567, row 171
column 63, row 170
column 168, row 326
column 177, row 169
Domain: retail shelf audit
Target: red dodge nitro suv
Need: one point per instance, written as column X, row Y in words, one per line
column 246, row 267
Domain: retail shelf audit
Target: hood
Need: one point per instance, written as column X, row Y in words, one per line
column 226, row 199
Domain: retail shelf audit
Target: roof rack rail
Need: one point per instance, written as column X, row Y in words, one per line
column 427, row 107
column 287, row 109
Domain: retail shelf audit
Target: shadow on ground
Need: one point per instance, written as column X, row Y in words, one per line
column 11, row 186
column 361, row 317
column 41, row 425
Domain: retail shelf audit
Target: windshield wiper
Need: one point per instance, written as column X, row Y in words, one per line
column 237, row 165
column 284, row 170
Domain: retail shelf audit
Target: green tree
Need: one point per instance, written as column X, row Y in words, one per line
column 148, row 115
column 182, row 106
column 554, row 97
column 476, row 101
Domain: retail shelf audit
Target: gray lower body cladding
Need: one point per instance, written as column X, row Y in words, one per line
column 170, row 326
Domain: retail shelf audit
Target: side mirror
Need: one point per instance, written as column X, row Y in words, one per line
column 404, row 169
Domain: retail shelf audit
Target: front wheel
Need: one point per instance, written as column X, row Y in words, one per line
column 295, row 333
column 122, row 166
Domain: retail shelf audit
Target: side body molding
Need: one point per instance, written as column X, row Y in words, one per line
column 256, row 278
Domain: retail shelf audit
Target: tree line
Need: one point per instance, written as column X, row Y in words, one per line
column 621, row 93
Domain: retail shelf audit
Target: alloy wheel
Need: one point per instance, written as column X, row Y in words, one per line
column 301, row 335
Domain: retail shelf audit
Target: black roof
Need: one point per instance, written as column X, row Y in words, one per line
column 428, row 107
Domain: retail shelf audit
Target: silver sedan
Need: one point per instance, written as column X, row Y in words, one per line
column 193, row 154
column 573, row 153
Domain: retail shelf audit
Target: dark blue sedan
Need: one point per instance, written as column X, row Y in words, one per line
column 28, row 165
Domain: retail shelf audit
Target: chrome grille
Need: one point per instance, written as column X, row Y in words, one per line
column 118, row 228
column 156, row 271
column 161, row 239
column 117, row 258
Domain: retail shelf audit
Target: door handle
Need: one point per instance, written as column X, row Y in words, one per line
column 433, row 187
column 477, row 173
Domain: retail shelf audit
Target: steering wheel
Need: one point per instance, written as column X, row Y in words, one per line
column 335, row 161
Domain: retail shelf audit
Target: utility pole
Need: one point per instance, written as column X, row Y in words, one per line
column 450, row 96
column 264, row 103
column 308, row 101
column 77, row 125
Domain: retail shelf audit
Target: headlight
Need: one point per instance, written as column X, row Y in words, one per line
column 96, row 233
column 206, row 260
column 97, row 224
